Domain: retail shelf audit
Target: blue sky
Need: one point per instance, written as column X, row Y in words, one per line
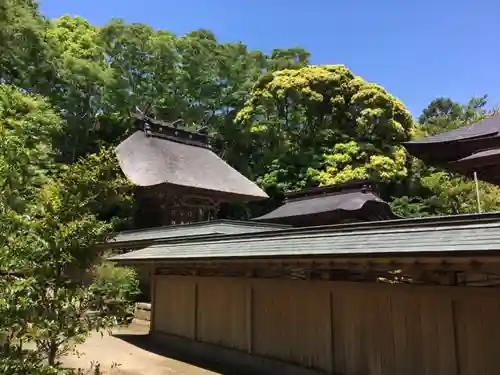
column 417, row 49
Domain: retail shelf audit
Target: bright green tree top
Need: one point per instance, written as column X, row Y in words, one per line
column 323, row 124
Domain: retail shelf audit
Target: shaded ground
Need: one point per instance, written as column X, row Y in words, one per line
column 137, row 355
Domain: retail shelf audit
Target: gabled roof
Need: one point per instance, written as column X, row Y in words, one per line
column 205, row 228
column 161, row 154
column 453, row 234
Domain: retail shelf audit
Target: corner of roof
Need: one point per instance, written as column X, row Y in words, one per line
column 251, row 223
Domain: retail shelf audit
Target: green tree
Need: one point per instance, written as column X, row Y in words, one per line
column 287, row 58
column 26, row 57
column 144, row 66
column 84, row 79
column 441, row 108
column 49, row 227
column 28, row 125
column 443, row 114
column 323, row 125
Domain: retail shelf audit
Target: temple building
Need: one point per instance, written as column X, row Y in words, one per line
column 468, row 149
column 179, row 179
column 330, row 282
column 180, row 184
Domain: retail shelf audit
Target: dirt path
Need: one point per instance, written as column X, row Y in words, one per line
column 122, row 348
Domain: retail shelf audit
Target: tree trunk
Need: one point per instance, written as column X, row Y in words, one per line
column 52, row 355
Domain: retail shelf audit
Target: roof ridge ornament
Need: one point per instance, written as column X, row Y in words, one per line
column 174, row 131
column 364, row 186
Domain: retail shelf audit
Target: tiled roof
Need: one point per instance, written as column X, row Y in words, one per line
column 194, row 229
column 461, row 234
column 487, row 127
column 343, row 201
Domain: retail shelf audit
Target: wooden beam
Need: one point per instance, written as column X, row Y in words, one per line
column 249, row 317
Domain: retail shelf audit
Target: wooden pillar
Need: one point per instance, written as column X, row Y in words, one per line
column 249, row 316
column 195, row 318
column 456, row 340
column 152, row 278
column 332, row 333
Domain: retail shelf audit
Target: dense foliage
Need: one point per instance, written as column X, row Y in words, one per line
column 50, row 222
column 323, row 125
column 280, row 121
column 67, row 89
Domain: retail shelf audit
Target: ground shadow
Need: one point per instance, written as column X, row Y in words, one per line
column 144, row 341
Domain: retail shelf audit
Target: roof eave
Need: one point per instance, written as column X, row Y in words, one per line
column 288, row 257
column 404, row 225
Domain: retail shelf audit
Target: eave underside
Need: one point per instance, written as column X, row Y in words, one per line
column 441, row 153
column 448, row 270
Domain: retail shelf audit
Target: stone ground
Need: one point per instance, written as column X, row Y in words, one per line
column 136, row 355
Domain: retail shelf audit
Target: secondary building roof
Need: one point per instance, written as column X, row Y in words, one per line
column 469, row 149
column 487, row 127
column 160, row 153
column 331, row 204
column 458, row 143
column 204, row 228
column 458, row 234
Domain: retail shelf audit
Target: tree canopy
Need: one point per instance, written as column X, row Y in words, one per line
column 67, row 90
column 50, row 222
column 278, row 119
column 322, row 125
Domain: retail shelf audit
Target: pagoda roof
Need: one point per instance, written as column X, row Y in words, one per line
column 163, row 153
column 459, row 143
column 485, row 163
column 467, row 150
column 337, row 202
column 489, row 126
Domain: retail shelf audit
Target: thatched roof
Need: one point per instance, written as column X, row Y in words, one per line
column 161, row 154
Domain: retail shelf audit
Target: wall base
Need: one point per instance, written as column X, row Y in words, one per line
column 142, row 311
column 237, row 360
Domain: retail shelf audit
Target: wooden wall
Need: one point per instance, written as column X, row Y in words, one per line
column 338, row 328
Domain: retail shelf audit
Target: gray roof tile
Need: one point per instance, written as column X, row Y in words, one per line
column 344, row 201
column 331, row 242
column 195, row 229
column 487, row 127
